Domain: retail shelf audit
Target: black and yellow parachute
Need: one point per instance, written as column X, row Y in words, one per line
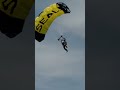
column 46, row 17
column 12, row 15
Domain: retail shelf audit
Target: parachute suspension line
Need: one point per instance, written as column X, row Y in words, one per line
column 61, row 30
column 58, row 29
column 61, row 26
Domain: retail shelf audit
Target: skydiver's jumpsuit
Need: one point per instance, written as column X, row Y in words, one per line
column 64, row 43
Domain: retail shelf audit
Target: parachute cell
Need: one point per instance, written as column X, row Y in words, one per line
column 46, row 17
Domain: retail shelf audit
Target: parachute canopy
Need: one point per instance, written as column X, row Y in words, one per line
column 46, row 17
column 12, row 15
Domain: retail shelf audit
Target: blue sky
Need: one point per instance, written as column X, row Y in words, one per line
column 54, row 68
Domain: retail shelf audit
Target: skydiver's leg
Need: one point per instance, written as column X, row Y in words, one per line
column 65, row 48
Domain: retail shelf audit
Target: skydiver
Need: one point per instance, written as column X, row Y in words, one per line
column 63, row 42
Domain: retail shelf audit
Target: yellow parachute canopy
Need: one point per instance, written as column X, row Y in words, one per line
column 46, row 17
column 16, row 8
column 12, row 15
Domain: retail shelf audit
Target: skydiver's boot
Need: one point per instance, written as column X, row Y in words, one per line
column 66, row 50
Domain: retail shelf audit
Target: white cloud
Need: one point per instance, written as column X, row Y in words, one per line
column 52, row 61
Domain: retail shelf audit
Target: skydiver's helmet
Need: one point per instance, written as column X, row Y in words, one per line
column 63, row 7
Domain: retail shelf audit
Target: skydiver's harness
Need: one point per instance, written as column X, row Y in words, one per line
column 63, row 41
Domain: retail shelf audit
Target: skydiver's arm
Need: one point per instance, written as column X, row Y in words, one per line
column 60, row 37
